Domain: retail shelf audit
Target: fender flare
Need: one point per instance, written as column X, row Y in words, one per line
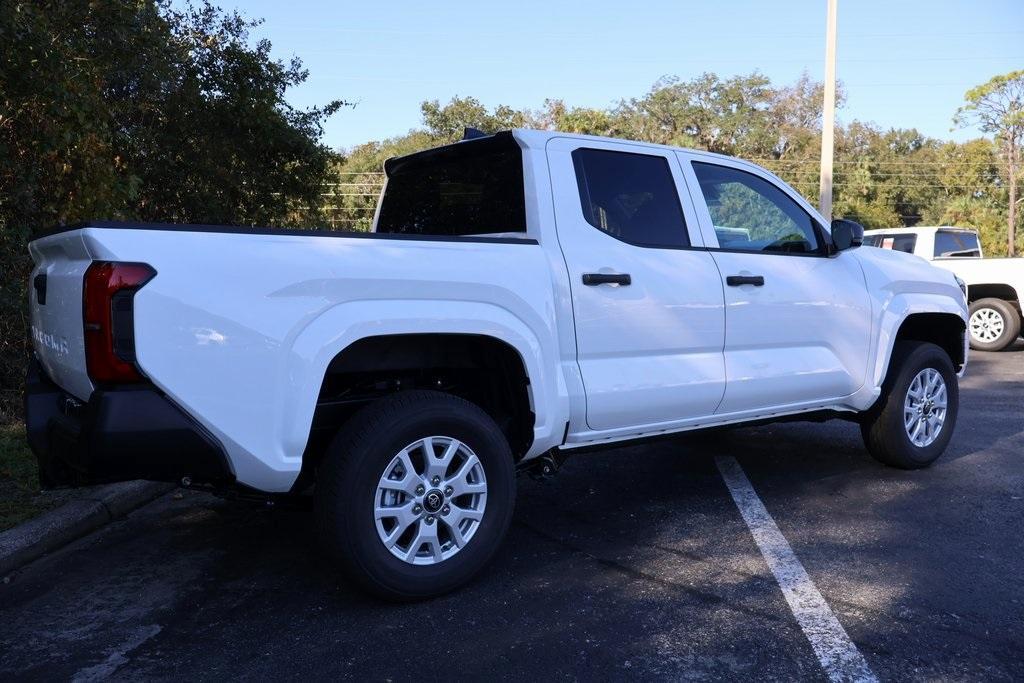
column 338, row 327
column 894, row 314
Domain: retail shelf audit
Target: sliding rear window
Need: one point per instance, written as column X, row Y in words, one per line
column 469, row 188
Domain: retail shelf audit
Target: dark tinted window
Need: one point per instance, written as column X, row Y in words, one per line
column 953, row 244
column 631, row 197
column 470, row 188
column 897, row 242
column 751, row 214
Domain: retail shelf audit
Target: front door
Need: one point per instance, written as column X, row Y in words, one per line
column 647, row 298
column 798, row 322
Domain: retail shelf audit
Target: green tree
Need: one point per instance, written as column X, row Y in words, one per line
column 884, row 177
column 997, row 107
column 729, row 116
column 583, row 120
column 448, row 122
column 134, row 109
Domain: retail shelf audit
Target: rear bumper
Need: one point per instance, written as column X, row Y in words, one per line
column 122, row 433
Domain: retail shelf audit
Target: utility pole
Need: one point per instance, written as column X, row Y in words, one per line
column 828, row 122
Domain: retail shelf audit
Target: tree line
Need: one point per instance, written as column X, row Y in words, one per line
column 883, row 177
column 142, row 110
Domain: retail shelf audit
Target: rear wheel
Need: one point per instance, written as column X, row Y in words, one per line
column 415, row 494
column 994, row 324
column 913, row 421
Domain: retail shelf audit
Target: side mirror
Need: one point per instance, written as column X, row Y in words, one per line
column 846, row 234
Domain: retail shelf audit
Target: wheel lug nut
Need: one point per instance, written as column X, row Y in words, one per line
column 448, row 490
column 430, row 519
column 417, row 509
column 420, row 489
column 436, row 480
column 445, row 510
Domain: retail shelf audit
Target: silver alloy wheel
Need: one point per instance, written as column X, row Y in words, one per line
column 924, row 409
column 987, row 325
column 430, row 500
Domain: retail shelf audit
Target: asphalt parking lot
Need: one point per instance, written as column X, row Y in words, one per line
column 632, row 563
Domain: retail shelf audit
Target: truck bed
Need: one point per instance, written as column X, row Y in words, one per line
column 240, row 323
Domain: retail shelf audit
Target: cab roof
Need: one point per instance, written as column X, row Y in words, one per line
column 537, row 140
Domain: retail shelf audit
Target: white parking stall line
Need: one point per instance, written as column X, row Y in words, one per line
column 839, row 657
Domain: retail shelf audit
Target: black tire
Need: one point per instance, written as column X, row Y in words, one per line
column 1010, row 319
column 347, row 482
column 883, row 427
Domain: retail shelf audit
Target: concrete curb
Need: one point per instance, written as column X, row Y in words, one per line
column 74, row 519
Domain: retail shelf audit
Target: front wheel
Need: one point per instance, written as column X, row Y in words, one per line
column 994, row 324
column 415, row 494
column 913, row 421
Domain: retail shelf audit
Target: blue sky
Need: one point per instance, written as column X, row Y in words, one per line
column 903, row 63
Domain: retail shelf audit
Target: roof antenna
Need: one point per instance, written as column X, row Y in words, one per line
column 473, row 133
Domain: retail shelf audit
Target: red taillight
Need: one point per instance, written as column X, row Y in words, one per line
column 108, row 313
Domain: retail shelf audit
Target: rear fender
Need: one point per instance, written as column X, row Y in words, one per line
column 339, row 327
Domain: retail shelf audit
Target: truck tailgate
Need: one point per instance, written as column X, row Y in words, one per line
column 55, row 309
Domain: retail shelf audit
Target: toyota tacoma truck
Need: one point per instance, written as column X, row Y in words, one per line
column 521, row 296
column 994, row 285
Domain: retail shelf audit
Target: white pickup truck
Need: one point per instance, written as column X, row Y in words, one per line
column 994, row 285
column 522, row 296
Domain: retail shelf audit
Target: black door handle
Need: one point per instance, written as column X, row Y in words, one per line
column 737, row 280
column 607, row 278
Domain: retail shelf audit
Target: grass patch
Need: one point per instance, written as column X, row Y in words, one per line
column 20, row 498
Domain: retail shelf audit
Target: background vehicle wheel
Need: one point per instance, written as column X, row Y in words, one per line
column 415, row 494
column 913, row 421
column 994, row 324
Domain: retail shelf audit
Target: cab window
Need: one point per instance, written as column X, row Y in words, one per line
column 631, row 197
column 897, row 242
column 751, row 214
column 950, row 244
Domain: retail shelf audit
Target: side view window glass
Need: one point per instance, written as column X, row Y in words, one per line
column 751, row 214
column 954, row 244
column 897, row 242
column 632, row 197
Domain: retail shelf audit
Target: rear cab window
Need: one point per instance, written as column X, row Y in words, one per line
column 474, row 187
column 956, row 244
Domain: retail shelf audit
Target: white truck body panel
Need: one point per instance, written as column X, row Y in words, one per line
column 243, row 346
column 650, row 354
column 239, row 329
column 974, row 270
column 799, row 338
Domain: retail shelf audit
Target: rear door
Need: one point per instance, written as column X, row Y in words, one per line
column 647, row 299
column 55, row 309
column 798, row 322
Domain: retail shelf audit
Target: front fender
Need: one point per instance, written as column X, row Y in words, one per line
column 902, row 307
column 900, row 285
